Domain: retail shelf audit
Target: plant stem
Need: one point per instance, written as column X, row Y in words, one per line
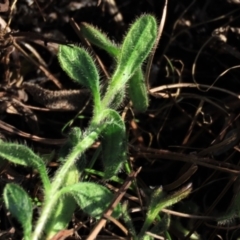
column 52, row 196
column 118, row 80
column 97, row 102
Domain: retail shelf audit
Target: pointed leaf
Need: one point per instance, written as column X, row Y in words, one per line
column 138, row 92
column 20, row 154
column 160, row 200
column 23, row 155
column 135, row 48
column 137, row 44
column 80, row 67
column 99, row 39
column 61, row 217
column 114, row 147
column 20, row 206
column 92, row 198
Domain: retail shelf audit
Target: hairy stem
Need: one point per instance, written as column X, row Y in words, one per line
column 52, row 196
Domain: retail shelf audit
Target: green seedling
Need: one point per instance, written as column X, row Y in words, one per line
column 158, row 201
column 154, row 223
column 136, row 86
column 66, row 189
column 20, row 205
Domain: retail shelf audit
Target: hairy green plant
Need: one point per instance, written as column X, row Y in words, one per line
column 158, row 200
column 67, row 189
column 136, row 86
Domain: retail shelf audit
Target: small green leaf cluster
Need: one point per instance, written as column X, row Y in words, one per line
column 67, row 189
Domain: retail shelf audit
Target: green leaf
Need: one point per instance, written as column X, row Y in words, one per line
column 19, row 204
column 160, row 200
column 114, row 145
column 23, row 155
column 92, row 198
column 80, row 67
column 20, row 154
column 99, row 39
column 60, row 218
column 138, row 92
column 137, row 44
column 136, row 87
column 135, row 48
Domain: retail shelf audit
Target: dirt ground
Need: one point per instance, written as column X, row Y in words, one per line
column 189, row 134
